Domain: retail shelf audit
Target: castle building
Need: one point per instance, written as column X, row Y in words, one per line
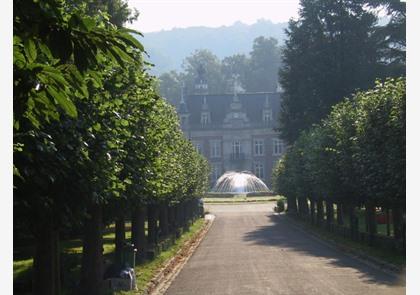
column 234, row 131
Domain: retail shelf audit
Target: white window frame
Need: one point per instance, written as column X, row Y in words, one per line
column 205, row 118
column 267, row 115
column 277, row 147
column 198, row 146
column 215, row 148
column 259, row 147
column 236, row 147
column 259, row 169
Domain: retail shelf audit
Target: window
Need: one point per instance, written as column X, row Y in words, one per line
column 197, row 146
column 277, row 147
column 236, row 147
column 216, row 171
column 267, row 115
column 258, row 147
column 205, row 118
column 215, row 149
column 259, row 169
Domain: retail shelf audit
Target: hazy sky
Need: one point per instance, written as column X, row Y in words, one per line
column 164, row 15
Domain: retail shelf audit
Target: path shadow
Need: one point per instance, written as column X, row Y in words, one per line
column 283, row 233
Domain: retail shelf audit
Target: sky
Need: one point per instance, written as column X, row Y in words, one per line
column 166, row 14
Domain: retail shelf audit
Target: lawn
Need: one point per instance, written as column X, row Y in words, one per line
column 72, row 254
column 385, row 255
column 240, row 199
column 147, row 270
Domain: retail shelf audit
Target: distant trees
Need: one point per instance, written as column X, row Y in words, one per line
column 93, row 141
column 257, row 72
column 353, row 158
column 264, row 63
column 212, row 67
column 333, row 49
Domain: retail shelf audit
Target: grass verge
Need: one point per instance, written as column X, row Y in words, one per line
column 240, row 199
column 345, row 244
column 147, row 270
column 72, row 255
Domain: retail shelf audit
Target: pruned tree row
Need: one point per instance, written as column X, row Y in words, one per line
column 93, row 141
column 354, row 159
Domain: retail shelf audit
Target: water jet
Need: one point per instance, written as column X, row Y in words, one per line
column 243, row 182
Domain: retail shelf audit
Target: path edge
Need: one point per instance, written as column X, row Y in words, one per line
column 164, row 278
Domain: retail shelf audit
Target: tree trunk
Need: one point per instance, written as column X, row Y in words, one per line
column 163, row 220
column 119, row 236
column 388, row 223
column 138, row 233
column 330, row 213
column 340, row 220
column 152, row 228
column 354, row 224
column 371, row 218
column 92, row 259
column 183, row 215
column 320, row 212
column 46, row 268
column 398, row 223
column 171, row 219
column 313, row 218
column 303, row 206
column 291, row 205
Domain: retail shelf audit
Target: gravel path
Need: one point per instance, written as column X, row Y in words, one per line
column 249, row 250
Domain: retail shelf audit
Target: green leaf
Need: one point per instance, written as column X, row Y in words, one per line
column 30, row 50
column 131, row 40
column 88, row 23
column 97, row 126
column 63, row 101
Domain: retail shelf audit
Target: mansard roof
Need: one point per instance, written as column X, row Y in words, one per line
column 219, row 106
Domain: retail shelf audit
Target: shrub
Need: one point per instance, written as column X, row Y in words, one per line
column 280, row 206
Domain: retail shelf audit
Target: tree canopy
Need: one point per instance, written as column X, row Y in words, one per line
column 333, row 49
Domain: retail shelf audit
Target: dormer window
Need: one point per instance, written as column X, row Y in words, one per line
column 267, row 115
column 205, row 118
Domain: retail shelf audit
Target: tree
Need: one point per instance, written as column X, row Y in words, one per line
column 58, row 51
column 237, row 64
column 212, row 67
column 264, row 65
column 354, row 158
column 331, row 52
column 392, row 36
column 170, row 86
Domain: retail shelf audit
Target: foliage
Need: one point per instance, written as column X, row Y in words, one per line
column 256, row 72
column 355, row 156
column 89, row 126
column 333, row 49
column 280, row 206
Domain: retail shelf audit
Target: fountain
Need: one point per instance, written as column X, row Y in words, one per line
column 243, row 182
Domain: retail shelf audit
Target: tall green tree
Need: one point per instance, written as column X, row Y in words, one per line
column 237, row 64
column 170, row 86
column 392, row 36
column 331, row 52
column 212, row 71
column 264, row 64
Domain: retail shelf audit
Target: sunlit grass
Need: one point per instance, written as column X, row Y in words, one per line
column 72, row 253
column 146, row 271
column 241, row 199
